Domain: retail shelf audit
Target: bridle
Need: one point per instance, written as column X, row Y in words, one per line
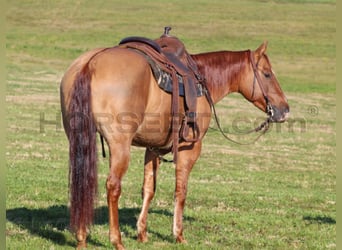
column 264, row 126
column 257, row 78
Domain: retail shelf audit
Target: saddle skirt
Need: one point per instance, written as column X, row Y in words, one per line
column 171, row 47
column 165, row 81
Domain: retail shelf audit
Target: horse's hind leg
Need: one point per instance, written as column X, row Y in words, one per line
column 187, row 156
column 119, row 159
column 148, row 191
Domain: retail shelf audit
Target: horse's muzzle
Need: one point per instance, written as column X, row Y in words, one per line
column 279, row 114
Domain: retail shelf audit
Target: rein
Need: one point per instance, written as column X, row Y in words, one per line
column 264, row 126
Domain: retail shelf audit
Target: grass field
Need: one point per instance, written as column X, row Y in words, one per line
column 279, row 193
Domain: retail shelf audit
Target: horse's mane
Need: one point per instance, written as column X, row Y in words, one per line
column 221, row 67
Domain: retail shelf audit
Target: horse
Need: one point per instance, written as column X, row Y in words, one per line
column 113, row 92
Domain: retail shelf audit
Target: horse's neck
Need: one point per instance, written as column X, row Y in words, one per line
column 223, row 71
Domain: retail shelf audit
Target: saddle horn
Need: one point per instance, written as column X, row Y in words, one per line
column 167, row 30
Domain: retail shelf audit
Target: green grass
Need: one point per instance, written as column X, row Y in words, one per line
column 278, row 193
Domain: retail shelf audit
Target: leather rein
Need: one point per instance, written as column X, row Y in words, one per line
column 264, row 126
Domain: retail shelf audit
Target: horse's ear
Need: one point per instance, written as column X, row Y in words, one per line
column 260, row 51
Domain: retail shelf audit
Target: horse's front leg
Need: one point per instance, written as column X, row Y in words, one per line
column 119, row 159
column 148, row 191
column 187, row 156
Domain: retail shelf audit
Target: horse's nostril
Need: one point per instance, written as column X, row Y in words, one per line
column 286, row 115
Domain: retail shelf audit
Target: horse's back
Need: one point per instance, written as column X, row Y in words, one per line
column 110, row 68
column 119, row 75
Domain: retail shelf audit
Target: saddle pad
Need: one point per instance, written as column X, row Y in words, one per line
column 164, row 80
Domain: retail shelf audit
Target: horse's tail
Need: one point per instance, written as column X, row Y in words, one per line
column 83, row 153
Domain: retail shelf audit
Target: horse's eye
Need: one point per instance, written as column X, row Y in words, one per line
column 267, row 74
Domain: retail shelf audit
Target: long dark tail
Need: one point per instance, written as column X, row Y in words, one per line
column 83, row 153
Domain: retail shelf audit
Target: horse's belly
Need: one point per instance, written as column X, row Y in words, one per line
column 154, row 131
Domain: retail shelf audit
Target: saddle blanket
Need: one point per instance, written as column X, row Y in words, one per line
column 164, row 81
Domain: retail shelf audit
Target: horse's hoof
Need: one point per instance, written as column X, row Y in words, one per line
column 180, row 239
column 81, row 245
column 119, row 247
column 142, row 237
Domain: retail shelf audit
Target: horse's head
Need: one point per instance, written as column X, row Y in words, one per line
column 262, row 88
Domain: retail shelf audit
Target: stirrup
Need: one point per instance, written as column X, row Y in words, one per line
column 189, row 123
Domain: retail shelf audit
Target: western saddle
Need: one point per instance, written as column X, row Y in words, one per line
column 168, row 53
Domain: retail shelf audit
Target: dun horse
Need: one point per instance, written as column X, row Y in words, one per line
column 113, row 92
